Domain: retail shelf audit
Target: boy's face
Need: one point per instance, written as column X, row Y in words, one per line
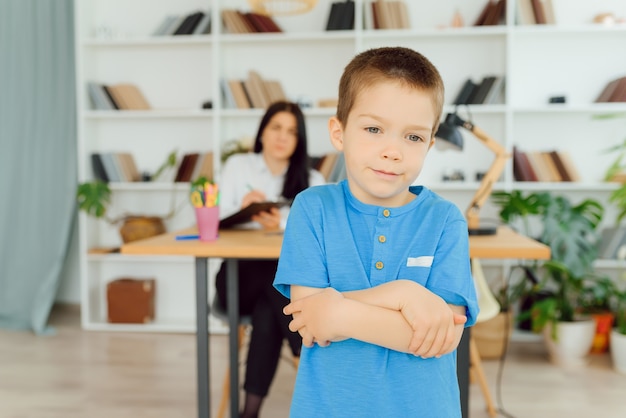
column 385, row 141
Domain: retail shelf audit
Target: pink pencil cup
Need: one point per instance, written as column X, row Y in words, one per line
column 208, row 219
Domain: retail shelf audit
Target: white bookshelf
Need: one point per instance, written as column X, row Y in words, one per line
column 178, row 73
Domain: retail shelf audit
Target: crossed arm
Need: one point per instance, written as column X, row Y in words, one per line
column 400, row 315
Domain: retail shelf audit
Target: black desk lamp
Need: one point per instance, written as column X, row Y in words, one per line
column 449, row 133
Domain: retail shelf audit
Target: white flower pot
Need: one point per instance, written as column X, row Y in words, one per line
column 618, row 351
column 573, row 342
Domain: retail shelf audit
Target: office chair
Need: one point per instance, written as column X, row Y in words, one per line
column 489, row 308
column 245, row 324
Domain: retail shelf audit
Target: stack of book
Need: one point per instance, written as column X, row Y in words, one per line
column 547, row 166
column 386, row 14
column 252, row 92
column 492, row 14
column 341, row 16
column 122, row 96
column 196, row 23
column 236, row 21
column 114, row 167
column 615, row 91
column 535, row 12
column 489, row 91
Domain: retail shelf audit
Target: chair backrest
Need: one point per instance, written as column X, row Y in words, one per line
column 487, row 302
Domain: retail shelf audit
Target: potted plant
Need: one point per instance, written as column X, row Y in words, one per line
column 618, row 334
column 571, row 232
column 94, row 198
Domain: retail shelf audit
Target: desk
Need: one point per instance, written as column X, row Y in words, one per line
column 234, row 245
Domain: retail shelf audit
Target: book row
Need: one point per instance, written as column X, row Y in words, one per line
column 121, row 96
column 236, row 21
column 490, row 90
column 546, row 166
column 252, row 92
column 331, row 166
column 195, row 23
column 121, row 167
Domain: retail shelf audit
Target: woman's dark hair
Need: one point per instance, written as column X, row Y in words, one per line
column 297, row 176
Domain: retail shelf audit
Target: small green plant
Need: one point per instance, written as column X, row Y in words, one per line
column 620, row 312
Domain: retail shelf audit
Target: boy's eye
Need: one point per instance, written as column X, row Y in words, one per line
column 414, row 138
column 373, row 130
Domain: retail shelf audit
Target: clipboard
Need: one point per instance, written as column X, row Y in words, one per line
column 245, row 214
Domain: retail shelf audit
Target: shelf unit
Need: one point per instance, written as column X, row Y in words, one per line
column 178, row 73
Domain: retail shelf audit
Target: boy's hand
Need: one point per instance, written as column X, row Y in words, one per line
column 314, row 317
column 434, row 324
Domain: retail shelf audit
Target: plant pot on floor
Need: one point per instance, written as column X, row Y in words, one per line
column 618, row 351
column 572, row 344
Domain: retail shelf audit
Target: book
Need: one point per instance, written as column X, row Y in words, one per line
column 97, row 166
column 496, row 93
column 558, row 163
column 239, row 94
column 332, row 23
column 522, row 170
column 495, row 14
column 486, row 11
column 204, row 167
column 129, row 168
column 256, row 90
column 227, row 93
column 465, row 93
column 608, row 91
column 107, row 90
column 100, row 100
column 274, row 90
column 480, row 93
column 539, row 12
column 569, row 165
column 189, row 24
column 204, row 26
column 245, row 214
column 525, row 14
column 165, row 25
column 548, row 11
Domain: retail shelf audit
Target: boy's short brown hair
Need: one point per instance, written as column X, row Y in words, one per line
column 397, row 64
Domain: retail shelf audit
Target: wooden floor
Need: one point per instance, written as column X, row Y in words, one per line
column 75, row 373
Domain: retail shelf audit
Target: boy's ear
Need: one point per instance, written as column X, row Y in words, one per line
column 335, row 129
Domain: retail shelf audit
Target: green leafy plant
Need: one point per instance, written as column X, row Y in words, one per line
column 571, row 232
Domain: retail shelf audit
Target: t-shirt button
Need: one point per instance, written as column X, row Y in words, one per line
column 386, row 213
column 381, row 238
column 379, row 265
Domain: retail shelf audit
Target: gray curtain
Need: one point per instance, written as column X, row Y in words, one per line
column 37, row 156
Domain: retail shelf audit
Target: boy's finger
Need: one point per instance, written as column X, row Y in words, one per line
column 291, row 308
column 459, row 319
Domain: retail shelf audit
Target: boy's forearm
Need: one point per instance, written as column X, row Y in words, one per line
column 376, row 325
column 387, row 295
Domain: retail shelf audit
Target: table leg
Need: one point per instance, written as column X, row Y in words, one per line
column 232, row 295
column 202, row 338
column 462, row 371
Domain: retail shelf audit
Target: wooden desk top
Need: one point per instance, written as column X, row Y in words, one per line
column 260, row 244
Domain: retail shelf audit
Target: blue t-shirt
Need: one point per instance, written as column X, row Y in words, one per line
column 332, row 239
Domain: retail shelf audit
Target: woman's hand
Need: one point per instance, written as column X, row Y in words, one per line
column 268, row 220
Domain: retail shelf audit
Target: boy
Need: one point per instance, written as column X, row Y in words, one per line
column 378, row 270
